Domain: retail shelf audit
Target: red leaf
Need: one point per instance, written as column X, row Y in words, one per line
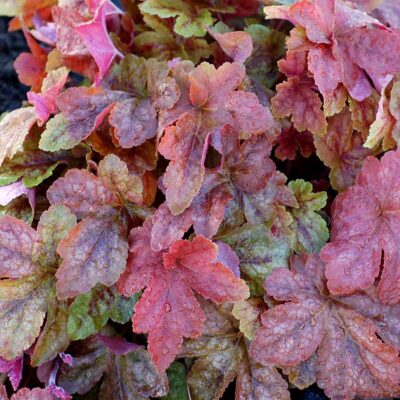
column 341, row 149
column 31, row 66
column 168, row 310
column 340, row 43
column 34, row 394
column 167, row 227
column 296, row 98
column 82, row 192
column 68, row 42
column 353, row 337
column 290, row 142
column 233, row 179
column 365, row 224
column 185, row 173
column 135, row 122
column 208, row 102
column 45, row 102
column 85, row 109
column 94, row 34
column 17, row 241
column 236, row 45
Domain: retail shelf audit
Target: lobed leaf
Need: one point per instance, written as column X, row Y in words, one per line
column 354, row 357
column 94, row 251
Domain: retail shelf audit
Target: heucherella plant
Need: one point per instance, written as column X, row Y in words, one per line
column 201, row 200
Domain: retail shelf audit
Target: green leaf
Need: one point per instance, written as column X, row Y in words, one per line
column 54, row 225
column 19, row 208
column 23, row 306
column 121, row 308
column 11, row 8
column 188, row 26
column 259, row 252
column 53, row 339
column 177, row 382
column 160, row 43
column 126, row 377
column 133, row 376
column 32, row 166
column 310, row 229
column 191, row 16
column 268, row 48
column 90, row 312
column 56, row 136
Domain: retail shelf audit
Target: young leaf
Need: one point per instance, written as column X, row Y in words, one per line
column 296, row 98
column 290, row 142
column 341, row 149
column 352, row 336
column 248, row 313
column 385, row 128
column 268, row 48
column 309, row 227
column 97, row 40
column 236, row 45
column 135, row 119
column 259, row 252
column 45, row 101
column 30, row 67
column 13, row 369
column 160, row 42
column 116, row 177
column 191, row 16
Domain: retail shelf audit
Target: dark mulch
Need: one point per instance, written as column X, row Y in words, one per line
column 12, row 92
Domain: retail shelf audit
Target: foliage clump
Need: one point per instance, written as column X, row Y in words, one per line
column 201, row 192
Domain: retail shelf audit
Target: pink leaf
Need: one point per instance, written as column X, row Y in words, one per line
column 14, row 190
column 118, row 345
column 13, row 369
column 94, row 34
